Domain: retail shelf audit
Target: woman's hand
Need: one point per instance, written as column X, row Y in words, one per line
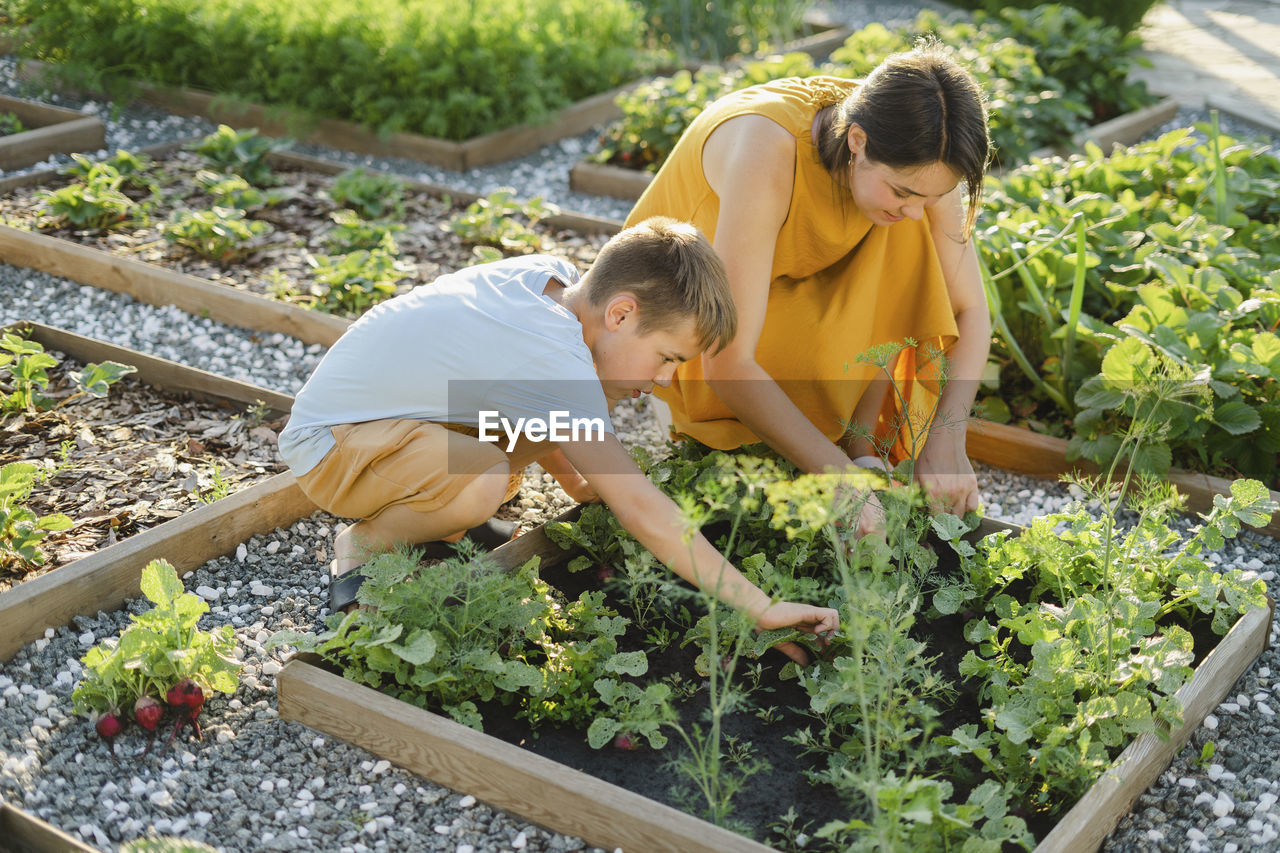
column 945, row 473
column 819, row 621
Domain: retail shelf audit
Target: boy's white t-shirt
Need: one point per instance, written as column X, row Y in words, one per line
column 484, row 338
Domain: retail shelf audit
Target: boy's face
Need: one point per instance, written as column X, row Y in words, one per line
column 630, row 364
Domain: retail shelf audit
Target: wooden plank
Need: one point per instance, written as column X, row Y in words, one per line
column 535, row 543
column 602, row 179
column 158, row 286
column 22, row 832
column 1026, row 452
column 1129, row 128
column 44, row 176
column 159, row 372
column 505, row 776
column 1082, row 829
column 105, row 580
column 54, row 130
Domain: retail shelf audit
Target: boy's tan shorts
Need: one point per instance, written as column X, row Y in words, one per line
column 414, row 463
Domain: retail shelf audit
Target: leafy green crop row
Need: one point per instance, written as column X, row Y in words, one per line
column 1049, row 72
column 1157, row 265
column 436, row 67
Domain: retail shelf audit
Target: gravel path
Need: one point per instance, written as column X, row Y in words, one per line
column 260, row 784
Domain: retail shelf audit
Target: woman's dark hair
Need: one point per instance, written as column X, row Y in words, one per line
column 917, row 108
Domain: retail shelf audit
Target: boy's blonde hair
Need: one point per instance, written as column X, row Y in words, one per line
column 675, row 275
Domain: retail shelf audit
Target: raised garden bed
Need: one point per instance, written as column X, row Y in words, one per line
column 25, row 833
column 187, row 535
column 526, row 780
column 485, row 150
column 140, row 264
column 47, row 131
column 588, row 176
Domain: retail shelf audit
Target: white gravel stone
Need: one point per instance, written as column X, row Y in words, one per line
column 242, row 553
column 208, row 593
column 466, row 802
column 519, row 842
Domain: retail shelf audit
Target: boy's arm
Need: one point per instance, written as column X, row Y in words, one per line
column 654, row 520
column 574, row 484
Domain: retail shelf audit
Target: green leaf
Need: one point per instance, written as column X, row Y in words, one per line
column 601, row 731
column 160, row 583
column 1236, row 417
column 96, row 379
column 628, row 663
column 418, row 648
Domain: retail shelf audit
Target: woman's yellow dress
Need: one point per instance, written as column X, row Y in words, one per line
column 839, row 286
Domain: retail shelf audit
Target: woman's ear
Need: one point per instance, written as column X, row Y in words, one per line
column 857, row 140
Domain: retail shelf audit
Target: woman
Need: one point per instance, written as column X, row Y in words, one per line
column 839, row 210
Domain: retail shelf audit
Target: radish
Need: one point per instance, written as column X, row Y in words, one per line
column 109, row 725
column 147, row 712
column 626, row 742
column 605, row 573
column 187, row 699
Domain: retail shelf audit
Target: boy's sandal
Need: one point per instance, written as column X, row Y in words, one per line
column 489, row 535
column 343, row 589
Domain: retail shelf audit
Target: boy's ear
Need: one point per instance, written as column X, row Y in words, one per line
column 619, row 310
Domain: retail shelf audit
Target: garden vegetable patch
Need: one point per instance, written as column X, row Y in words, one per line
column 973, row 692
column 339, row 244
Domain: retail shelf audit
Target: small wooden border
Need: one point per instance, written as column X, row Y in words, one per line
column 594, row 178
column 608, row 816
column 1027, row 452
column 23, row 832
column 106, row 579
column 54, row 130
column 157, row 285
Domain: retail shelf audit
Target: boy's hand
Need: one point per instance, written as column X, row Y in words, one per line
column 574, row 484
column 820, row 621
column 580, row 491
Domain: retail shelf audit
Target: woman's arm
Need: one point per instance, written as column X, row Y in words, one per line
column 749, row 162
column 943, row 467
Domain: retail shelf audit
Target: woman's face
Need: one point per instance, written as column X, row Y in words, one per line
column 886, row 195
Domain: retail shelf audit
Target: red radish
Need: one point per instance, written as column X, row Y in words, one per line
column 109, row 725
column 147, row 712
column 186, row 697
column 626, row 741
column 604, row 573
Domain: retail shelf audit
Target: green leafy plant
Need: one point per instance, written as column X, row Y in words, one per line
column 231, row 191
column 462, row 631
column 219, row 487
column 239, row 152
column 491, row 221
column 27, row 365
column 390, row 65
column 372, row 195
column 352, row 282
column 93, row 203
column 10, row 124
column 1169, row 246
column 162, row 648
column 21, row 530
column 130, row 166
column 221, row 234
column 717, row 30
column 351, row 233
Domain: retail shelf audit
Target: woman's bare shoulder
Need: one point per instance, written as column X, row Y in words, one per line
column 751, row 143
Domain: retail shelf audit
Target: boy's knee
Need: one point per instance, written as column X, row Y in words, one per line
column 480, row 498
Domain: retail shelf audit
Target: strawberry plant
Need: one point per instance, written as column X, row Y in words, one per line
column 372, row 195
column 10, row 124
column 351, row 233
column 492, row 221
column 161, row 653
column 27, row 364
column 95, row 202
column 21, row 530
column 350, row 283
column 239, row 152
column 221, row 234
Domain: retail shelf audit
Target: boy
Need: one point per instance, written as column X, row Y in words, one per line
column 399, row 424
